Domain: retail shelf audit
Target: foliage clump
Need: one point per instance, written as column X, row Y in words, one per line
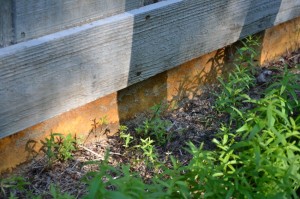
column 58, row 147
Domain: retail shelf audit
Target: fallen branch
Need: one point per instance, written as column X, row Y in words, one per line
column 91, row 151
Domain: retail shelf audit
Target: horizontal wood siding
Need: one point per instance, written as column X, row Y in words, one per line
column 6, row 23
column 35, row 18
column 47, row 76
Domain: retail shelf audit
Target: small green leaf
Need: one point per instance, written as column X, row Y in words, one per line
column 245, row 127
column 225, row 139
column 218, row 174
column 229, row 193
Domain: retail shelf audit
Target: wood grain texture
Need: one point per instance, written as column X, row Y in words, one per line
column 6, row 23
column 35, row 18
column 148, row 2
column 47, row 76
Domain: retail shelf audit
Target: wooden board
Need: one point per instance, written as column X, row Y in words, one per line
column 35, row 18
column 47, row 76
column 6, row 23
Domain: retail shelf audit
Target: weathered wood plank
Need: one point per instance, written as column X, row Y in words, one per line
column 44, row 77
column 6, row 23
column 148, row 2
column 35, row 18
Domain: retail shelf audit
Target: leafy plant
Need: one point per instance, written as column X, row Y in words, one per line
column 258, row 158
column 67, row 147
column 11, row 185
column 247, row 53
column 120, row 182
column 286, row 85
column 155, row 127
column 103, row 120
column 233, row 90
column 125, row 136
column 58, row 147
column 148, row 148
column 235, row 87
column 50, row 147
column 56, row 194
column 99, row 126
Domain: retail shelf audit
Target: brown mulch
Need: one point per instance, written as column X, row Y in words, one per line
column 194, row 120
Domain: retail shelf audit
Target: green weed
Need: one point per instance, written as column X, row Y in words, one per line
column 147, row 145
column 56, row 193
column 235, row 87
column 58, row 147
column 127, row 138
column 233, row 91
column 155, row 127
column 11, row 185
column 247, row 54
column 153, row 130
